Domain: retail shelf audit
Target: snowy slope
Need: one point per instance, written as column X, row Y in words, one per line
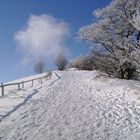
column 75, row 105
column 13, row 97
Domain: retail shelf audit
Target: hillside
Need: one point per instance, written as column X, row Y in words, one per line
column 73, row 105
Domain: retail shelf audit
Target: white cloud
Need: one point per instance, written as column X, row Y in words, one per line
column 42, row 37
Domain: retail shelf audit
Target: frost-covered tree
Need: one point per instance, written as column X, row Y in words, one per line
column 77, row 62
column 39, row 67
column 82, row 63
column 61, row 62
column 115, row 30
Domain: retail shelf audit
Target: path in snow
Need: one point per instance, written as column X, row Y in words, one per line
column 75, row 107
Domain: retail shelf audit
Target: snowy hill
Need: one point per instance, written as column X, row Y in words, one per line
column 73, row 105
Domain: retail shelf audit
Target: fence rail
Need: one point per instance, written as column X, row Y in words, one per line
column 21, row 85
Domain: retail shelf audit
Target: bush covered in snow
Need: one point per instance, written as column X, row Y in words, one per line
column 82, row 63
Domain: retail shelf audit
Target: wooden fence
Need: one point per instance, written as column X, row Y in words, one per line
column 21, row 85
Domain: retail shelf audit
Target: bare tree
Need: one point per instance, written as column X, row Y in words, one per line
column 39, row 67
column 61, row 62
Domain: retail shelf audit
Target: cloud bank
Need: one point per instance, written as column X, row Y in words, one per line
column 42, row 37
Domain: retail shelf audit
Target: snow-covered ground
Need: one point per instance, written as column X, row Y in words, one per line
column 73, row 105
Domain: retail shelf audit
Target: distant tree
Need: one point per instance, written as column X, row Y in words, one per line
column 116, row 32
column 61, row 62
column 76, row 62
column 82, row 62
column 39, row 67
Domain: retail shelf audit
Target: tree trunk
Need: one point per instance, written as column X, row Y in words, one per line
column 122, row 74
column 128, row 74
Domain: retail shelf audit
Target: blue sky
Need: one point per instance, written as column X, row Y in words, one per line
column 14, row 16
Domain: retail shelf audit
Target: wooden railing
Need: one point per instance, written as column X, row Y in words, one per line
column 21, row 85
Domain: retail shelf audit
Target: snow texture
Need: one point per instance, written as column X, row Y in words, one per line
column 73, row 105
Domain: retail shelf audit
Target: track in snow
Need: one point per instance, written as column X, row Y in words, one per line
column 72, row 108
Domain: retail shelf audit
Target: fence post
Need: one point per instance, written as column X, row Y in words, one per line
column 32, row 83
column 22, row 84
column 41, row 80
column 18, row 86
column 2, row 89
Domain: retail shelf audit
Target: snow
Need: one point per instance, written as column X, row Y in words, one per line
column 73, row 105
column 13, row 97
